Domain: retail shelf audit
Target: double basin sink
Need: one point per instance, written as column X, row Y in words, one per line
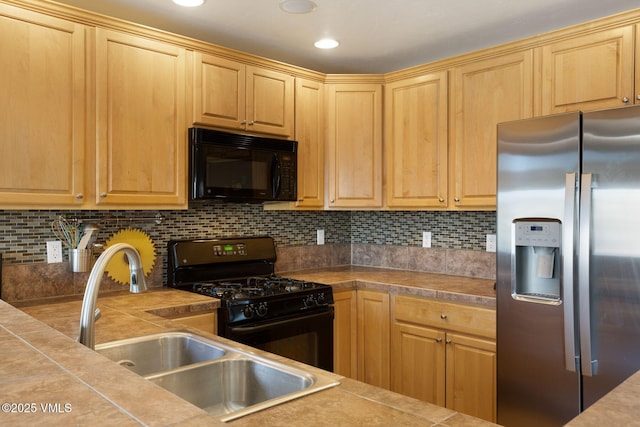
column 223, row 380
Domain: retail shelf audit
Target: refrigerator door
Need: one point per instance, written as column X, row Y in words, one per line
column 609, row 276
column 538, row 166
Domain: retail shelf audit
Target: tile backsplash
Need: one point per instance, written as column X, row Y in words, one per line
column 375, row 238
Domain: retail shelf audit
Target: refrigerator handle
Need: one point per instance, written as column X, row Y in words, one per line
column 588, row 361
column 570, row 356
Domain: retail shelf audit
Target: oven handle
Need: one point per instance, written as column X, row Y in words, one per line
column 270, row 325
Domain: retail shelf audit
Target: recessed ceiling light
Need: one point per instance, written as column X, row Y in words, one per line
column 189, row 3
column 326, row 44
column 298, row 6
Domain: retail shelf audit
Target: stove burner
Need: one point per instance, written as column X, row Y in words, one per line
column 252, row 287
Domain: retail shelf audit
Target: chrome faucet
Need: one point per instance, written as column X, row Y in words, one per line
column 137, row 284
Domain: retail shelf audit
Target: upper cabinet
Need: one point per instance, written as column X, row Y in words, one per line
column 140, row 126
column 236, row 96
column 42, row 112
column 588, row 72
column 310, row 136
column 354, row 140
column 483, row 94
column 416, row 141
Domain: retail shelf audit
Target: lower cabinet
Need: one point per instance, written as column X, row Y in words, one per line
column 373, row 338
column 207, row 322
column 445, row 354
column 345, row 342
column 361, row 336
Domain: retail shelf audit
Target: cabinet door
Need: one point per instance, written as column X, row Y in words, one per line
column 142, row 138
column 42, row 112
column 270, row 100
column 416, row 141
column 345, row 342
column 471, row 376
column 418, row 362
column 373, row 338
column 590, row 72
column 310, row 137
column 354, row 145
column 219, row 92
column 485, row 93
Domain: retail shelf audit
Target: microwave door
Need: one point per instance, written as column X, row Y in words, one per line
column 276, row 176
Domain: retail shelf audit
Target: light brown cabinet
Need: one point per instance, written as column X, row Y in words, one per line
column 354, row 145
column 361, row 336
column 373, row 338
column 309, row 133
column 483, row 94
column 445, row 354
column 42, row 112
column 588, row 72
column 345, row 334
column 207, row 322
column 416, row 142
column 140, row 126
column 233, row 95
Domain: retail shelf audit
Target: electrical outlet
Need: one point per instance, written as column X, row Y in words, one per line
column 491, row 242
column 320, row 237
column 426, row 239
column 54, row 251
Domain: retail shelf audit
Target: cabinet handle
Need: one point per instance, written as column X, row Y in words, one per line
column 79, row 196
column 448, row 341
column 438, row 339
column 457, row 199
column 251, row 123
column 332, row 201
column 103, row 195
column 625, row 99
column 638, row 97
column 244, row 122
column 441, row 200
column 443, row 316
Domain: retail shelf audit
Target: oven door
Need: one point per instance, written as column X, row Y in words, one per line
column 307, row 338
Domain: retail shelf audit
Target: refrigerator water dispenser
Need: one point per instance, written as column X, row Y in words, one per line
column 536, row 263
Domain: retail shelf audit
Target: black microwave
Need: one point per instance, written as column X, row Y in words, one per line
column 241, row 168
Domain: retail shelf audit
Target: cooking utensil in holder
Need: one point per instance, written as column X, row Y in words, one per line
column 80, row 260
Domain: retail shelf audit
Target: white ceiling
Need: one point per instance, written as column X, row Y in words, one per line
column 376, row 36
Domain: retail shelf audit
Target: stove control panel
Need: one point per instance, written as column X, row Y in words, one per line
column 230, row 249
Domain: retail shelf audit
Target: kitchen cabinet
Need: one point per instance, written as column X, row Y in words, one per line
column 483, row 94
column 373, row 338
column 309, row 132
column 345, row 333
column 43, row 110
column 206, row 322
column 233, row 95
column 354, row 145
column 445, row 354
column 587, row 72
column 416, row 141
column 140, row 123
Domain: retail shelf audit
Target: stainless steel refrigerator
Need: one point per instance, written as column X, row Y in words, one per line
column 568, row 262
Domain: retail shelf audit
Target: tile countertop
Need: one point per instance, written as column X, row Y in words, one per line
column 64, row 383
column 464, row 290
column 43, row 366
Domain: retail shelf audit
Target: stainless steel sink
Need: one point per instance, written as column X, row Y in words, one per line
column 160, row 352
column 235, row 387
column 225, row 381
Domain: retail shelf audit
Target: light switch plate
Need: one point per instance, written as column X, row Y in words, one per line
column 491, row 242
column 426, row 239
column 320, row 237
